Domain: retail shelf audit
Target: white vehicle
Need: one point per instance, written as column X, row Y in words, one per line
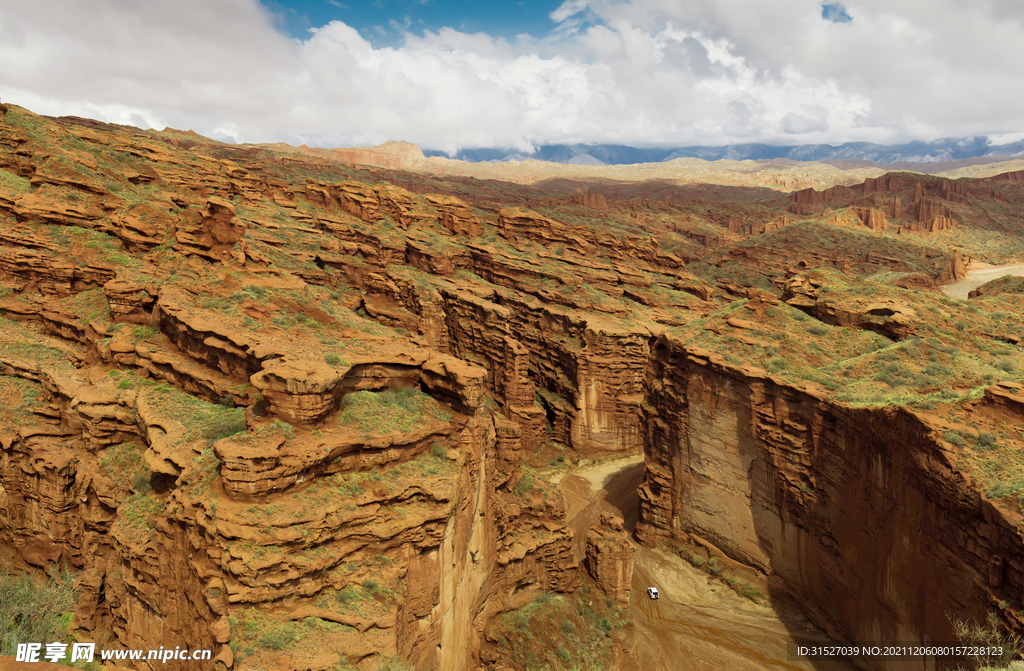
column 652, row 592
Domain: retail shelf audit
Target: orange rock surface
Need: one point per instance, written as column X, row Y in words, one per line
column 256, row 397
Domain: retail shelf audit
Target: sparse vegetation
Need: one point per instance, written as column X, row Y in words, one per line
column 734, row 280
column 561, row 633
column 402, row 409
column 255, row 630
column 1002, row 647
column 35, row 609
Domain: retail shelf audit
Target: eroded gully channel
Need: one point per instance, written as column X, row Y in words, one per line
column 698, row 623
column 979, row 274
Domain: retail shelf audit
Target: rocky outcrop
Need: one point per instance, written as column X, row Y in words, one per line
column 594, row 201
column 901, row 203
column 1010, row 177
column 211, row 233
column 609, row 558
column 391, row 155
column 40, row 207
column 315, row 494
column 954, row 269
column 583, row 378
column 872, row 218
column 824, row 497
column 933, row 225
column 49, row 272
column 455, row 215
column 514, row 222
column 130, row 301
column 143, row 226
column 893, row 319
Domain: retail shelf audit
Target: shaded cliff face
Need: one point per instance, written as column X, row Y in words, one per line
column 862, row 513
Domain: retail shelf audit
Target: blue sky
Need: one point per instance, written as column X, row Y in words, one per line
column 454, row 75
column 382, row 22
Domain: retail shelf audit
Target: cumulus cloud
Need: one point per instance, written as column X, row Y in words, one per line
column 640, row 72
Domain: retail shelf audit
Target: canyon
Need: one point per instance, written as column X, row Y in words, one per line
column 311, row 413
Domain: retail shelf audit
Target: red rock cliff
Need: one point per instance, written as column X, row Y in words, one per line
column 859, row 511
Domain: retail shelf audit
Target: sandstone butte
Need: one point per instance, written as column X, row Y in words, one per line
column 307, row 414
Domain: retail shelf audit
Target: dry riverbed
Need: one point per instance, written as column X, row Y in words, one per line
column 699, row 622
column 978, row 274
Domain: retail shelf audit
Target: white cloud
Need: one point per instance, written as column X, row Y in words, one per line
column 568, row 9
column 639, row 72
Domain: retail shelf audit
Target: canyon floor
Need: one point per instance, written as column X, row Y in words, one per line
column 697, row 618
column 321, row 410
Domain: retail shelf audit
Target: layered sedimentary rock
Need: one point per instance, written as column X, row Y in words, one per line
column 592, row 200
column 588, row 375
column 609, row 558
column 455, row 215
column 69, row 506
column 889, row 318
column 211, row 232
column 900, row 203
column 872, row 218
column 188, row 437
column 130, row 301
column 859, row 511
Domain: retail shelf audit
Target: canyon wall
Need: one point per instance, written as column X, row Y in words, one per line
column 269, row 522
column 859, row 511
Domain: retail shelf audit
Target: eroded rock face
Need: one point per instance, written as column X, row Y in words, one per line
column 545, row 341
column 211, row 232
column 130, row 301
column 890, row 318
column 61, row 504
column 609, row 558
column 455, row 215
column 592, row 200
column 822, row 496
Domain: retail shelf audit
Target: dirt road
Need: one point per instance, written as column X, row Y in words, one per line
column 698, row 623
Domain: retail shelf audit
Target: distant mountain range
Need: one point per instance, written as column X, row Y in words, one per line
column 611, row 154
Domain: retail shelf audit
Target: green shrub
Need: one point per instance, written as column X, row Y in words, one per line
column 14, row 183
column 1005, row 489
column 437, row 449
column 141, row 481
column 335, row 360
column 1006, row 366
column 394, row 663
column 279, row 635
column 751, row 592
column 35, row 610
column 525, row 484
column 143, row 332
column 226, row 424
column 953, row 438
column 817, row 330
column 986, row 440
column 990, row 637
